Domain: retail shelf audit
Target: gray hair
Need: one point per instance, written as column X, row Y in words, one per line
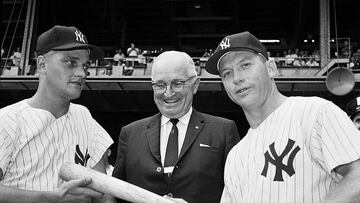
column 188, row 60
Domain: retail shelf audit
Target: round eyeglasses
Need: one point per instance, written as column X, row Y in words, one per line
column 176, row 85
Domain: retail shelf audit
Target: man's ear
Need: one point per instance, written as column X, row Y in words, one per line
column 41, row 64
column 196, row 85
column 271, row 67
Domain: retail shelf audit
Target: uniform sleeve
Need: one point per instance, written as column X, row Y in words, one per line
column 7, row 136
column 232, row 138
column 225, row 197
column 101, row 141
column 336, row 136
column 231, row 181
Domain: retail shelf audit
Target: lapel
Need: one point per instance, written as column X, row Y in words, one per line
column 153, row 135
column 196, row 124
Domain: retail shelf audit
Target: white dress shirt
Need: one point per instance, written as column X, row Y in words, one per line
column 165, row 129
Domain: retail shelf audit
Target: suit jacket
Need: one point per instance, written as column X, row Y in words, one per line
column 198, row 173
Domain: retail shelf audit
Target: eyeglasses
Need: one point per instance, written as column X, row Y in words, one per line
column 176, row 85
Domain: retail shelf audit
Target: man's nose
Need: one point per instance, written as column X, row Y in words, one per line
column 80, row 71
column 168, row 91
column 238, row 76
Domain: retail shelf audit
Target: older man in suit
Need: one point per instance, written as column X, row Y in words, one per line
column 178, row 152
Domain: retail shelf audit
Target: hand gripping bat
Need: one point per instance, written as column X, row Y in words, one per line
column 110, row 185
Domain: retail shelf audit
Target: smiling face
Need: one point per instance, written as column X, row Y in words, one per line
column 63, row 73
column 247, row 78
column 169, row 67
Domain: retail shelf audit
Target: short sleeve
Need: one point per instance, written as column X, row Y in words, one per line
column 337, row 137
column 101, row 141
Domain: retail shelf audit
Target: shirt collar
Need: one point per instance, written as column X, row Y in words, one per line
column 184, row 119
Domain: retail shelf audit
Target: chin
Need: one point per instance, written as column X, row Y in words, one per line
column 74, row 96
column 170, row 114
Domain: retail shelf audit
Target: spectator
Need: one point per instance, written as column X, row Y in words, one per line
column 132, row 51
column 141, row 57
column 128, row 69
column 356, row 56
column 289, row 58
column 211, row 52
column 346, row 51
column 297, row 60
column 305, row 57
column 312, row 62
column 16, row 57
column 119, row 57
column 316, row 55
column 206, row 53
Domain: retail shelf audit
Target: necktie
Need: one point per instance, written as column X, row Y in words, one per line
column 172, row 145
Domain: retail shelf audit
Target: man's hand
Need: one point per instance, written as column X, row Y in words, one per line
column 74, row 191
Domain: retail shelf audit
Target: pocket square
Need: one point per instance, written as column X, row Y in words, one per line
column 204, row 145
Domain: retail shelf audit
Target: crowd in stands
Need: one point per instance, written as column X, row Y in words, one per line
column 297, row 58
column 134, row 56
column 355, row 60
column 208, row 53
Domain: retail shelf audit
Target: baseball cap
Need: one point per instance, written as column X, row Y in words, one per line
column 65, row 38
column 243, row 41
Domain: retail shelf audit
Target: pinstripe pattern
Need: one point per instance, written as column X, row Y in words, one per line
column 36, row 144
column 326, row 136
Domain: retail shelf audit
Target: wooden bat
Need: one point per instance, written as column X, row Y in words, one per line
column 110, row 185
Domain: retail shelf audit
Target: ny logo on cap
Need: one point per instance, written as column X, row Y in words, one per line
column 79, row 36
column 225, row 43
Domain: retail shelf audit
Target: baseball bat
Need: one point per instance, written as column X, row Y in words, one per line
column 110, row 185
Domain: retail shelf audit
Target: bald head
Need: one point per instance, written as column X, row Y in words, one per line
column 174, row 61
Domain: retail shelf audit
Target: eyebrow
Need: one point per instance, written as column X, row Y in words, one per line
column 76, row 58
column 240, row 61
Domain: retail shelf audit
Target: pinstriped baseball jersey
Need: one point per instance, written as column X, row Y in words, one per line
column 290, row 157
column 34, row 144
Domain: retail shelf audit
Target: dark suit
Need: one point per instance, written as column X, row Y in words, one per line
column 198, row 174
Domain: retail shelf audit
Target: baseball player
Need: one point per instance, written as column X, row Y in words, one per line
column 39, row 134
column 298, row 149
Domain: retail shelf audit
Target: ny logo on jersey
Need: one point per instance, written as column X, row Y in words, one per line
column 79, row 36
column 80, row 158
column 276, row 160
column 225, row 43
